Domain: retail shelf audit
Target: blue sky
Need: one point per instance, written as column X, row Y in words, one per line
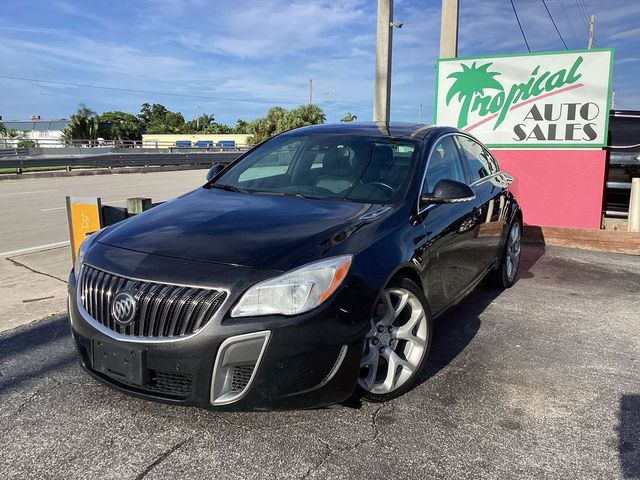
column 240, row 57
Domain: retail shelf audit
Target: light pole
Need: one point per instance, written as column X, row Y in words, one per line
column 449, row 29
column 384, row 41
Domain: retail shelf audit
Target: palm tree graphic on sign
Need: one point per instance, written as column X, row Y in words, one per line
column 469, row 82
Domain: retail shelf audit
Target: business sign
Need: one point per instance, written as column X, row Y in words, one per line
column 549, row 99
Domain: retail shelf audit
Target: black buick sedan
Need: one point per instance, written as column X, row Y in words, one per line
column 305, row 272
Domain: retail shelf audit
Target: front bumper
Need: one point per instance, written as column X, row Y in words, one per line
column 308, row 361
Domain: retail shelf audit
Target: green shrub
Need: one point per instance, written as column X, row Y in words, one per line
column 26, row 144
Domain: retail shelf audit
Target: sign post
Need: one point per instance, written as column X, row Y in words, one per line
column 83, row 215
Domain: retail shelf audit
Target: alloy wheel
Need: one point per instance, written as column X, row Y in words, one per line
column 512, row 258
column 396, row 342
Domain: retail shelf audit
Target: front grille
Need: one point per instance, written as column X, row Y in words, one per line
column 169, row 384
column 172, row 383
column 161, row 310
column 241, row 377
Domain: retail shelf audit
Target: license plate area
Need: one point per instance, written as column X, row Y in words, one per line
column 120, row 362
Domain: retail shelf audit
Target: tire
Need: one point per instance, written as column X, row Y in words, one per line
column 403, row 314
column 504, row 276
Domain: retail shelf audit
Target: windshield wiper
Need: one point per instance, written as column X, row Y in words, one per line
column 294, row 195
column 228, row 188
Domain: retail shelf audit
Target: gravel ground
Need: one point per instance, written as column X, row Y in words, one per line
column 540, row 381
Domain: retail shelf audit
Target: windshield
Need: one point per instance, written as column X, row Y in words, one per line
column 356, row 168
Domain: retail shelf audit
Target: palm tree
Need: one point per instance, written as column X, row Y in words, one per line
column 83, row 125
column 468, row 82
column 349, row 117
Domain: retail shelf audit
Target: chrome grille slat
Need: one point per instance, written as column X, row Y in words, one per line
column 162, row 310
column 190, row 312
column 177, row 316
column 108, row 322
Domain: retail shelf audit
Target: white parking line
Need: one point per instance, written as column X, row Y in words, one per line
column 37, row 248
column 27, row 193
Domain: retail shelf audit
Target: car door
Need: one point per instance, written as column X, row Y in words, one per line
column 491, row 190
column 449, row 228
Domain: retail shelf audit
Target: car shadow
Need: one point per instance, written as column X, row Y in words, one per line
column 629, row 436
column 456, row 328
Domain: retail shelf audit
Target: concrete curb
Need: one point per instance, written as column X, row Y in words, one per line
column 100, row 171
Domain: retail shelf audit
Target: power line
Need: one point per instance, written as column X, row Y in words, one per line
column 520, row 25
column 584, row 16
column 554, row 24
column 149, row 92
column 569, row 22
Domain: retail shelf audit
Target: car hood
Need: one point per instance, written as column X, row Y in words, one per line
column 270, row 232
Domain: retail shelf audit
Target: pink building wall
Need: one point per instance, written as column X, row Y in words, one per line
column 557, row 188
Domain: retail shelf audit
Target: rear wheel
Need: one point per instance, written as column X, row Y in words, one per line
column 505, row 275
column 397, row 344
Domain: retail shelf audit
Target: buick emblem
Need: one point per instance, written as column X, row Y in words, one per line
column 124, row 308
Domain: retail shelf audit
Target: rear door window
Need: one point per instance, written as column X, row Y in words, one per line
column 480, row 163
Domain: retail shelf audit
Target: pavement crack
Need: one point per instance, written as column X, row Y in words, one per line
column 18, row 264
column 163, row 456
column 330, row 451
column 24, row 404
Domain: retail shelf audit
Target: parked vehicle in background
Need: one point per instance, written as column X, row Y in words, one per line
column 624, row 160
column 311, row 267
column 226, row 144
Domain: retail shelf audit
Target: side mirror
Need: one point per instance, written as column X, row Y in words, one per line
column 215, row 169
column 449, row 191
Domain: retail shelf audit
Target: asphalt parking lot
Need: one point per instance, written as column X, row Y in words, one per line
column 540, row 381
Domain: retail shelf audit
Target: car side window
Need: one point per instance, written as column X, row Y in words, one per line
column 444, row 164
column 480, row 163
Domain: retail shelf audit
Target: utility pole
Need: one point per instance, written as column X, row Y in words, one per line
column 310, row 91
column 197, row 118
column 449, row 29
column 382, row 93
column 592, row 26
column 420, row 114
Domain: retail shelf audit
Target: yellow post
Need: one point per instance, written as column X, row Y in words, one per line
column 83, row 215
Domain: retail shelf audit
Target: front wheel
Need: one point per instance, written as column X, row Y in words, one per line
column 397, row 344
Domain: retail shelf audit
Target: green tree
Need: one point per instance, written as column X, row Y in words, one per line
column 349, row 117
column 468, row 82
column 26, row 143
column 242, row 126
column 279, row 120
column 83, row 125
column 202, row 124
column 119, row 126
column 3, row 129
column 304, row 115
column 157, row 119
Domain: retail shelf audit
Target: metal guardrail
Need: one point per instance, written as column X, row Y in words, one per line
column 111, row 160
column 13, row 152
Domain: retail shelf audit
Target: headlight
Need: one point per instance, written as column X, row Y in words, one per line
column 82, row 251
column 297, row 291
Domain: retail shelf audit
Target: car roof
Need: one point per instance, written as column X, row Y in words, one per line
column 407, row 130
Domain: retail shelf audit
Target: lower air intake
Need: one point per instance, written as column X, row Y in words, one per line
column 236, row 364
column 241, row 377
